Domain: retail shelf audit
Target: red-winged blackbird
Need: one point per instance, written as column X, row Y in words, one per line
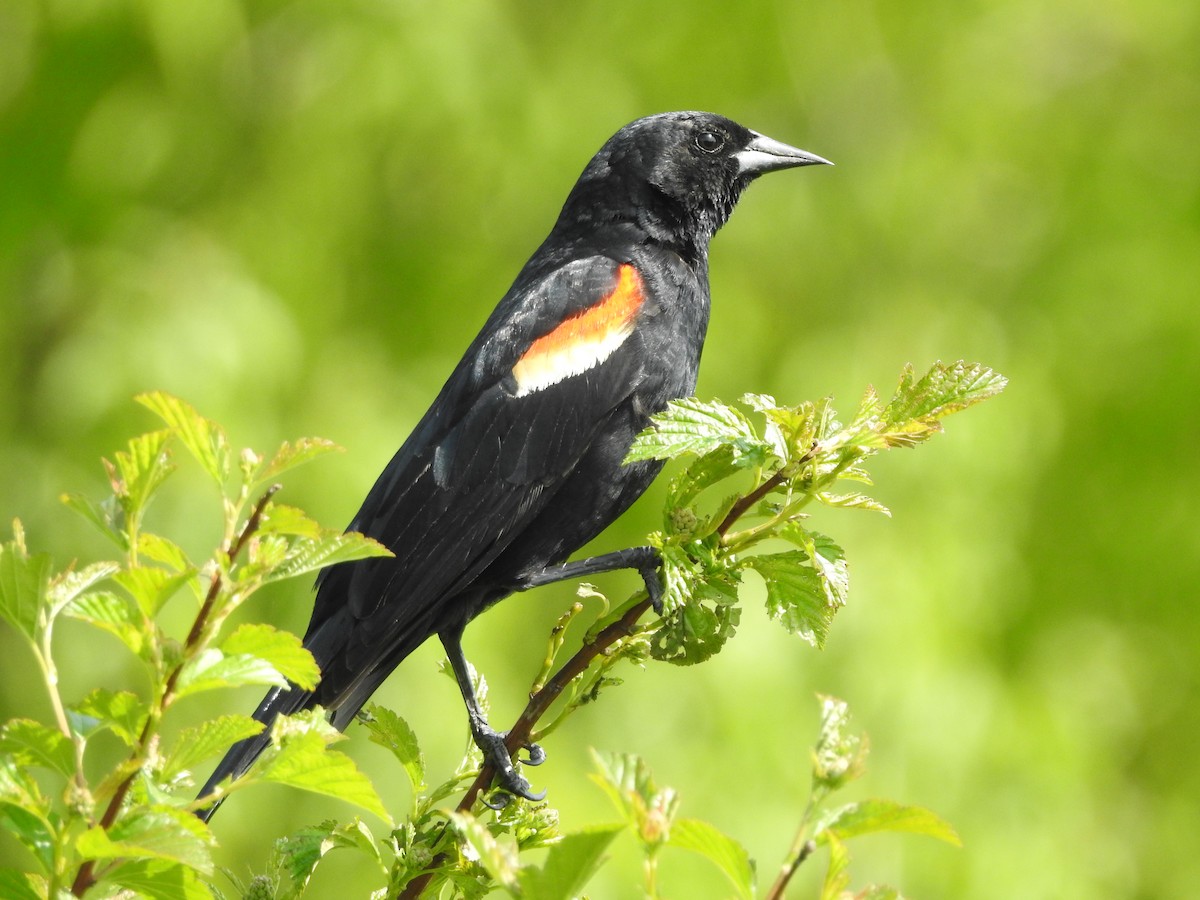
column 518, row 462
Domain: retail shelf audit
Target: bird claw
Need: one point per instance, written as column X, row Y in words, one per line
column 537, row 755
column 651, row 573
column 510, row 782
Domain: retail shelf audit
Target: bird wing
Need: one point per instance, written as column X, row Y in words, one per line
column 555, row 359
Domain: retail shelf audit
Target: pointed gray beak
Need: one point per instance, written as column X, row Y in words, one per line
column 763, row 154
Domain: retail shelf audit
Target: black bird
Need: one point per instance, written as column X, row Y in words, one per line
column 518, row 462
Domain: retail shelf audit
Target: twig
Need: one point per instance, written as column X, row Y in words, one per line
column 86, row 876
column 544, row 698
column 789, row 869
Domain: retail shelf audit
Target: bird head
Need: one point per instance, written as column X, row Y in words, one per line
column 678, row 175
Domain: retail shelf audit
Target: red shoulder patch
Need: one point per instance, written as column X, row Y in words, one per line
column 584, row 339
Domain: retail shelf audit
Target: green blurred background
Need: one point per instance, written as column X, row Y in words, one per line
column 296, row 215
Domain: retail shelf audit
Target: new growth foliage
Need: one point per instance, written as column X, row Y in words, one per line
column 755, row 473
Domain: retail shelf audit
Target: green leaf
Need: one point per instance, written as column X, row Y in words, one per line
column 282, row 649
column 161, row 550
column 703, row 473
column 156, row 832
column 869, row 816
column 570, row 864
column 212, row 669
column 307, row 555
column 943, row 390
column 280, row 519
column 159, row 879
column 66, row 586
column 16, row 885
column 390, row 731
column 723, row 851
column 837, row 875
column 114, row 614
column 121, row 712
column 204, row 439
column 694, row 633
column 31, row 743
column 24, row 582
column 290, row 455
column 139, row 471
column 853, row 501
column 151, row 587
column 298, row 854
column 215, row 736
column 805, row 588
column 108, row 516
column 698, row 427
column 32, row 830
column 303, row 762
column 629, row 784
column 500, row 860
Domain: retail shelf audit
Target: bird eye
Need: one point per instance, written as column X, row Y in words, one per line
column 709, row 141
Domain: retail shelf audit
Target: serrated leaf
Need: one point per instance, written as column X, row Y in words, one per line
column 853, row 501
column 305, row 763
column 390, row 731
column 795, row 594
column 204, row 439
column 161, row 550
column 210, row 738
column 151, row 587
column 212, row 669
column 159, row 879
column 107, row 516
column 694, row 633
column 140, row 470
column 282, row 649
column 24, row 582
column 66, row 586
column 280, row 519
column 869, row 816
column 16, row 885
column 570, row 864
column 298, row 854
column 701, row 474
column 308, row 555
column 723, row 851
column 157, row 832
column 31, row 743
column 122, row 712
column 290, row 455
column 943, row 390
column 112, row 613
column 697, row 427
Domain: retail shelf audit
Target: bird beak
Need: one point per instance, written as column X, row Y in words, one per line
column 763, row 154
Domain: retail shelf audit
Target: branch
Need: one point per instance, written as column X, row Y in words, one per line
column 789, row 869
column 86, row 876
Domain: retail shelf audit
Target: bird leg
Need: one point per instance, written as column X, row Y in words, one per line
column 487, row 739
column 646, row 560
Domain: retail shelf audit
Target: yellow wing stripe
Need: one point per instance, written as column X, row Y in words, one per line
column 583, row 340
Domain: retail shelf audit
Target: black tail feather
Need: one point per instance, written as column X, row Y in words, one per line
column 279, row 701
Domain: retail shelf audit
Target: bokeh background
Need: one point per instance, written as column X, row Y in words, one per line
column 296, row 214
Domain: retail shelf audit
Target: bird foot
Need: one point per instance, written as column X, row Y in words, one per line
column 651, row 571
column 495, row 754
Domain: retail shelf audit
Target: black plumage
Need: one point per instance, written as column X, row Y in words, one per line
column 518, row 461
